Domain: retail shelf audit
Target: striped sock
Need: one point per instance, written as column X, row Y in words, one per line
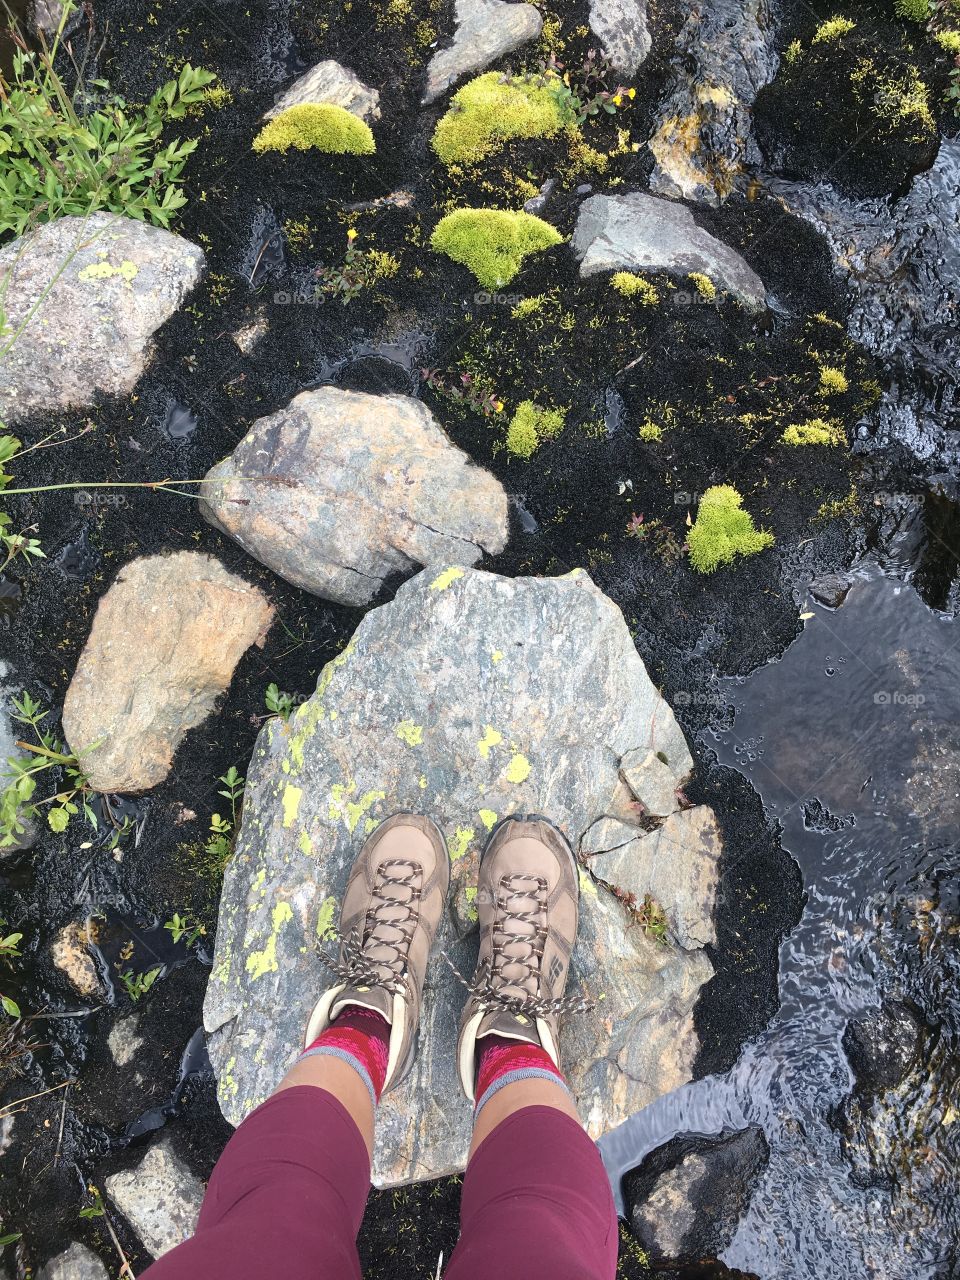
column 361, row 1038
column 502, row 1061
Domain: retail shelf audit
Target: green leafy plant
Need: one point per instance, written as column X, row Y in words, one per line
column 279, row 704
column 46, row 752
column 58, row 158
column 723, row 530
column 492, row 243
column 361, row 269
column 912, row 10
column 815, row 431
column 586, row 90
column 16, row 544
column 137, row 985
column 95, row 1210
column 315, row 125
column 10, row 1238
column 10, row 950
column 219, row 843
column 629, row 285
column 185, row 927
column 493, row 108
column 464, row 389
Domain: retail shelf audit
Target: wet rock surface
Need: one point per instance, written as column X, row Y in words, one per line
column 447, row 701
column 70, row 953
column 686, row 1199
column 76, row 1263
column 638, row 232
column 703, row 140
column 340, row 491
column 485, row 31
column 118, row 282
column 329, row 82
column 159, row 1197
column 165, row 641
column 621, row 28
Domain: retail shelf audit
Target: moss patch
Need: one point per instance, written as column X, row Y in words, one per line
column 318, row 126
column 723, row 530
column 489, row 110
column 492, row 243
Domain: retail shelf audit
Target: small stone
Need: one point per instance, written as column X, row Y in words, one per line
column 246, row 338
column 638, row 232
column 448, row 701
column 124, row 1040
column 330, row 83
column 677, row 865
column 621, row 28
column 119, row 280
column 165, row 641
column 159, row 1197
column 536, row 204
column 831, row 589
column 77, row 1263
column 44, row 18
column 486, row 30
column 883, row 1046
column 687, row 1197
column 653, row 781
column 340, row 491
column 70, row 953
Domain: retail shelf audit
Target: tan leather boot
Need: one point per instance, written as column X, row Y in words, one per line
column 391, row 912
column 528, row 904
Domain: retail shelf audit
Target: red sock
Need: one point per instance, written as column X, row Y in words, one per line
column 501, row 1061
column 360, row 1037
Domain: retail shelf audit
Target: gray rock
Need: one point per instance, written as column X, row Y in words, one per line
column 329, row 82
column 453, row 700
column 341, row 490
column 164, row 644
column 677, row 865
column 119, row 281
column 621, row 28
column 654, row 782
column 831, row 589
column 486, row 31
column 248, row 336
column 536, row 204
column 883, row 1046
column 159, row 1197
column 638, row 232
column 77, row 1263
column 703, row 140
column 688, row 1196
column 124, row 1040
column 44, row 18
column 11, row 688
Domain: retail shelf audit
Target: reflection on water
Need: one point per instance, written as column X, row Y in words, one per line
column 852, row 739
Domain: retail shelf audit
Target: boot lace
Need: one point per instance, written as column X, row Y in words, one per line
column 388, row 927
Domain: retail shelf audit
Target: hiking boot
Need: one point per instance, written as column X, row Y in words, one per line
column 391, row 912
column 527, row 900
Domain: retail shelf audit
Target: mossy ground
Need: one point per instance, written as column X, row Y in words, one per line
column 721, row 383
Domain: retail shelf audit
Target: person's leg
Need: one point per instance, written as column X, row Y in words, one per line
column 287, row 1195
column 535, row 1197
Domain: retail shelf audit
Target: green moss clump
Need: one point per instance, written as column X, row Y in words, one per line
column 530, row 425
column 723, row 530
column 632, row 286
column 814, row 431
column 794, row 52
column 319, row 126
column 650, row 432
column 912, row 10
column 489, row 110
column 703, row 285
column 492, row 242
column 949, row 42
column 832, row 29
column 833, row 381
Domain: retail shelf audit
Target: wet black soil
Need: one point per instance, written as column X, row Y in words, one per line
column 720, row 382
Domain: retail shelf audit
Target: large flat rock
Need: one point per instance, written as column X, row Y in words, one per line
column 340, row 491
column 165, row 641
column 469, row 697
column 92, row 292
column 637, row 232
column 621, row 28
column 160, row 1197
column 486, row 31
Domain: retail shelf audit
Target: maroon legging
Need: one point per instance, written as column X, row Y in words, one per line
column 288, row 1194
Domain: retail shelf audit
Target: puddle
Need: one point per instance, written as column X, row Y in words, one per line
column 179, row 422
column 11, row 598
column 852, row 740
column 194, row 1064
column 76, row 560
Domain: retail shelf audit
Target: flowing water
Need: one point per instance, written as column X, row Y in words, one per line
column 852, row 740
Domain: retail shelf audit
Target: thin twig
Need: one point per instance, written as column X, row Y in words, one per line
column 126, row 1269
column 63, row 1116
column 8, row 1109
